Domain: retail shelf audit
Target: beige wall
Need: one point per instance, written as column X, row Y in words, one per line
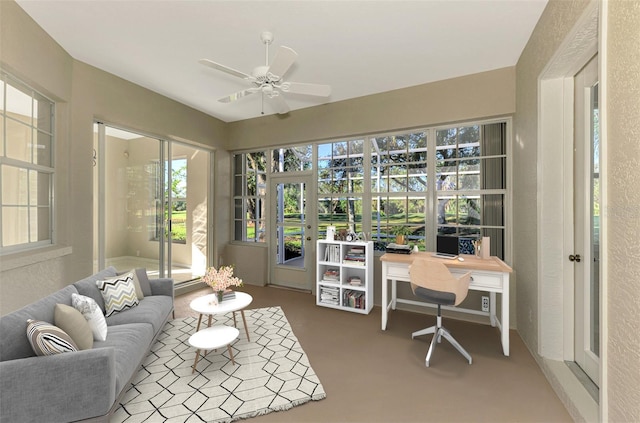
column 480, row 95
column 621, row 107
column 622, row 212
column 85, row 93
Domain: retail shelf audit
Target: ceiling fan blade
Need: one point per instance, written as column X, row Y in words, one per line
column 238, row 95
column 278, row 103
column 225, row 69
column 306, row 89
column 282, row 62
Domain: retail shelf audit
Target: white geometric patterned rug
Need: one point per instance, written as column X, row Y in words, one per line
column 272, row 373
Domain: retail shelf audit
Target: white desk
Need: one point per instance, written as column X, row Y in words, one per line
column 490, row 275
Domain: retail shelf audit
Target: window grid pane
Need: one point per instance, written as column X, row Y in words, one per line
column 26, row 123
column 249, row 190
column 340, row 185
column 471, row 159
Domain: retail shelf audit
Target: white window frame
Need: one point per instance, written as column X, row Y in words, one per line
column 430, row 194
column 29, row 166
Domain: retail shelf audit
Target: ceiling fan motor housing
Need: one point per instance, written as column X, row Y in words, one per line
column 263, row 76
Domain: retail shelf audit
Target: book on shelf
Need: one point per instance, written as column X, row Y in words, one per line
column 354, row 280
column 354, row 262
column 329, row 295
column 354, row 299
column 331, row 274
column 332, row 253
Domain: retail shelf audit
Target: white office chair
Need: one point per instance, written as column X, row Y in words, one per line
column 431, row 281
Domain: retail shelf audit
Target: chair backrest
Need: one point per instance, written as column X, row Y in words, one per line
column 433, row 274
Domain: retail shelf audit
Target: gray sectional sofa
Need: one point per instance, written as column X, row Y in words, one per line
column 82, row 385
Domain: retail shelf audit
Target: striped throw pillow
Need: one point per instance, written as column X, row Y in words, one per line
column 47, row 339
column 118, row 293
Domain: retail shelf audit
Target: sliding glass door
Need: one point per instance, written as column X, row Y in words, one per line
column 151, row 209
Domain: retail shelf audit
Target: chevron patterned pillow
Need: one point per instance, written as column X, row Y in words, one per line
column 119, row 293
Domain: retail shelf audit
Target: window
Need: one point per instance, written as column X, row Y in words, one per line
column 428, row 183
column 26, row 166
column 398, row 186
column 250, row 188
column 291, row 159
column 178, row 197
column 471, row 184
column 340, row 185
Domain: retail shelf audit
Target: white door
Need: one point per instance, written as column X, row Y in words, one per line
column 586, row 255
column 291, row 232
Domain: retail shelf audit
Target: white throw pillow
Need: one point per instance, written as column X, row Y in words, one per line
column 119, row 293
column 91, row 311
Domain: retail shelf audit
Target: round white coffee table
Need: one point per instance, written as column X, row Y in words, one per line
column 211, row 339
column 207, row 305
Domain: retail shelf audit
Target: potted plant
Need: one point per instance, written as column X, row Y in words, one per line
column 400, row 232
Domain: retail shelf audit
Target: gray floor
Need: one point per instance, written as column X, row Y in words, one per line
column 371, row 375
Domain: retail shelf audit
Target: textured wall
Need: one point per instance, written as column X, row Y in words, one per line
column 481, row 95
column 623, row 210
column 555, row 23
column 621, row 213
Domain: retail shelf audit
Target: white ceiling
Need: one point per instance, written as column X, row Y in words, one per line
column 357, row 47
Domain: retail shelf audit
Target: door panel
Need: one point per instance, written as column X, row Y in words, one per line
column 587, row 221
column 291, row 244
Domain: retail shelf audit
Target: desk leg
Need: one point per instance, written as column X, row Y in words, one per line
column 492, row 308
column 505, row 314
column 394, row 293
column 385, row 296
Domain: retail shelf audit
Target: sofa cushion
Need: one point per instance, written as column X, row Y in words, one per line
column 13, row 326
column 143, row 280
column 74, row 324
column 88, row 288
column 118, row 293
column 131, row 343
column 140, row 281
column 92, row 314
column 47, row 339
column 153, row 309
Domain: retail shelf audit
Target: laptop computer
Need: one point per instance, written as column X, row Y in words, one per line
column 446, row 247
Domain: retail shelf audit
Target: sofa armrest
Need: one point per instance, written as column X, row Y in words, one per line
column 162, row 286
column 58, row 388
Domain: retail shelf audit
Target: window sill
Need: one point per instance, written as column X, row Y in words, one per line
column 27, row 258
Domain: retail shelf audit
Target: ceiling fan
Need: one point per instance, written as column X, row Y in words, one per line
column 268, row 79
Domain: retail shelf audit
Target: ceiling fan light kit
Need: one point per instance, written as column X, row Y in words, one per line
column 268, row 79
